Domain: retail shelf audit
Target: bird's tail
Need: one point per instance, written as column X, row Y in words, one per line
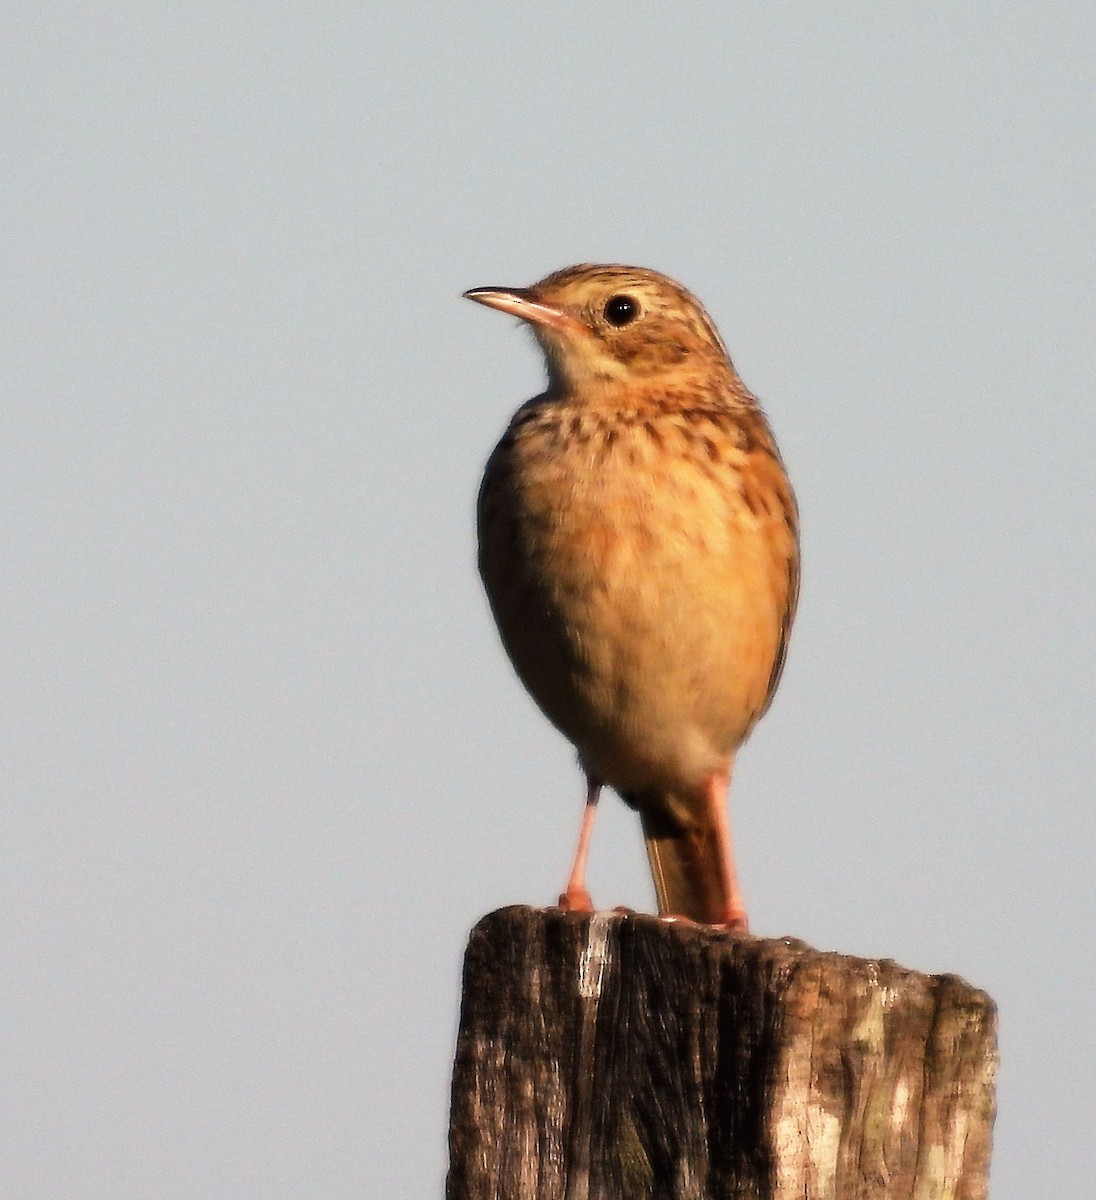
column 686, row 862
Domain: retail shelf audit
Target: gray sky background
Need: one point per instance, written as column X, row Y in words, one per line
column 264, row 763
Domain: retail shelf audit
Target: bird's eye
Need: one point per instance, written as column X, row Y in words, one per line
column 621, row 310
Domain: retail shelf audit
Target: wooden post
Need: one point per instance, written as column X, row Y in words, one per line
column 619, row 1056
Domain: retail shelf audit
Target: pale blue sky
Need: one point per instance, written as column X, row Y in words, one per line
column 264, row 761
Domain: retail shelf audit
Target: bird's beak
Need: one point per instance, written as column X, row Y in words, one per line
column 520, row 302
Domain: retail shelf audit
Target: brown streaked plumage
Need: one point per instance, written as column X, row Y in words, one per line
column 638, row 540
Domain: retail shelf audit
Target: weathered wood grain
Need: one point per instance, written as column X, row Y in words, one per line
column 620, row 1056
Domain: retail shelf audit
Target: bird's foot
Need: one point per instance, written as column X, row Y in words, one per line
column 576, row 900
column 735, row 919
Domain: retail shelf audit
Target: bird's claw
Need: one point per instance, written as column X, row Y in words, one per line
column 576, row 901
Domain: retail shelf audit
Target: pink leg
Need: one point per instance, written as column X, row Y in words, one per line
column 734, row 911
column 576, row 898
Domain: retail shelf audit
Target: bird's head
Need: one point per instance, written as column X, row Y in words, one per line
column 600, row 325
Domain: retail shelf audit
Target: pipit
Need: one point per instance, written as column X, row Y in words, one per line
column 638, row 540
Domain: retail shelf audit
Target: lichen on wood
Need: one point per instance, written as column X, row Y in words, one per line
column 621, row 1056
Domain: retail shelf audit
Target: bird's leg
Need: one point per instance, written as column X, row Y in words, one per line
column 576, row 898
column 716, row 788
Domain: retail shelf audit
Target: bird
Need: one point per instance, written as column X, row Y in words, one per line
column 638, row 541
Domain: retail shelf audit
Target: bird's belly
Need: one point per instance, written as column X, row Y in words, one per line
column 674, row 671
column 644, row 618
